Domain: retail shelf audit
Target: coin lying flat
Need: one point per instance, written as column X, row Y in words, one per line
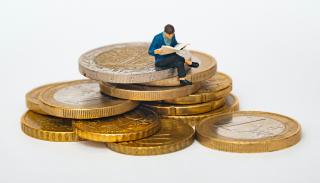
column 231, row 105
column 182, row 110
column 136, row 124
column 123, row 63
column 248, row 131
column 82, row 99
column 171, row 137
column 218, row 86
column 147, row 93
column 207, row 68
column 32, row 98
column 48, row 127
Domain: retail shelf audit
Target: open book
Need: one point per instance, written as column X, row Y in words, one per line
column 168, row 49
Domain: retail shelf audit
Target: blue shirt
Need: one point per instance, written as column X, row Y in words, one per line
column 156, row 43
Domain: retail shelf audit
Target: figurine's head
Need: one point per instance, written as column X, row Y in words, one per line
column 169, row 31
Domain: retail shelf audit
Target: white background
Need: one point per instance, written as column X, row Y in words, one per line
column 270, row 49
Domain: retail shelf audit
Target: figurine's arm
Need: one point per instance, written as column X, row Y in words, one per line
column 153, row 46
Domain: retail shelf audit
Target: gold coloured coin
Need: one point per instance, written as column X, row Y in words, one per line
column 48, row 127
column 147, row 93
column 248, row 132
column 171, row 137
column 32, row 98
column 123, row 63
column 183, row 110
column 218, row 86
column 231, row 105
column 207, row 68
column 82, row 99
column 136, row 124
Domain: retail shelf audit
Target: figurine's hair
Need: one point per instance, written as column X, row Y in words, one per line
column 169, row 29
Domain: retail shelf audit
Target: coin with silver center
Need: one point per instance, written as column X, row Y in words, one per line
column 82, row 99
column 32, row 98
column 248, row 131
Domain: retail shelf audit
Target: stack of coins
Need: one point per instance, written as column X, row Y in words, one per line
column 212, row 98
column 138, row 109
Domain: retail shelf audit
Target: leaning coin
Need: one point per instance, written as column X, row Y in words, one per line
column 183, row 110
column 136, row 124
column 248, row 132
column 171, row 137
column 82, row 99
column 147, row 93
column 207, row 68
column 48, row 127
column 32, row 98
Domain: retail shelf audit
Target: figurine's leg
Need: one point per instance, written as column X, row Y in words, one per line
column 166, row 62
column 187, row 56
column 180, row 68
column 175, row 61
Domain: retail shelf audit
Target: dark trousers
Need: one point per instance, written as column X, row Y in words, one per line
column 173, row 61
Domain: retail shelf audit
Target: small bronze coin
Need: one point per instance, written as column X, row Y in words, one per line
column 171, row 137
column 48, row 127
column 136, row 124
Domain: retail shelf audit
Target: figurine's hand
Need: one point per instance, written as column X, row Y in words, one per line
column 158, row 51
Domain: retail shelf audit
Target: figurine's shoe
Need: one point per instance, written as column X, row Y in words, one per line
column 194, row 64
column 185, row 82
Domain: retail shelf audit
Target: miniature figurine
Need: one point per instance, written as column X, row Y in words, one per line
column 169, row 54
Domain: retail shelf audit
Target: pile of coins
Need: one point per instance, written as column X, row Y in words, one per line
column 138, row 109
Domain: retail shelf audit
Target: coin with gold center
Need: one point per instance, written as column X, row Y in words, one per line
column 248, row 131
column 231, row 105
column 136, row 124
column 48, row 127
column 182, row 110
column 82, row 99
column 171, row 137
column 147, row 93
column 123, row 63
column 207, row 68
column 218, row 86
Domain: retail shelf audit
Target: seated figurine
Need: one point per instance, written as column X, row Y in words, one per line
column 170, row 60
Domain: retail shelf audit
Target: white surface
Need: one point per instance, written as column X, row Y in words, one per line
column 270, row 48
